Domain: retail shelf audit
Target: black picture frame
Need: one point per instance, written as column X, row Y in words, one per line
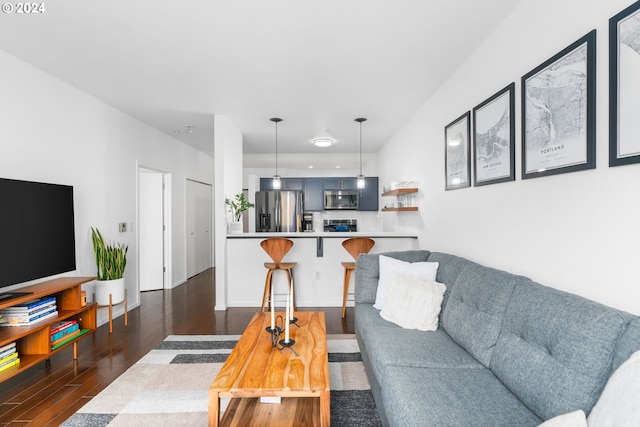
column 494, row 138
column 624, row 92
column 558, row 112
column 457, row 160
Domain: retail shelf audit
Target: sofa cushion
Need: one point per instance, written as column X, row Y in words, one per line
column 391, row 267
column 555, row 349
column 388, row 344
column 628, row 343
column 422, row 397
column 414, row 303
column 367, row 322
column 473, row 315
column 570, row 419
column 449, row 269
column 619, row 403
column 397, row 347
column 368, row 272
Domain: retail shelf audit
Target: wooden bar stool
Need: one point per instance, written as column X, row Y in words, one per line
column 277, row 248
column 355, row 246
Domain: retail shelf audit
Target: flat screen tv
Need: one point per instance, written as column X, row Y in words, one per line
column 37, row 234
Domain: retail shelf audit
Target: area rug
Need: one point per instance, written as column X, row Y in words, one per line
column 168, row 386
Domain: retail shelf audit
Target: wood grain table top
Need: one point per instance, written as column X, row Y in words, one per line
column 255, row 368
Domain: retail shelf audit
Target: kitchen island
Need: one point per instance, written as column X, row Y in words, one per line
column 318, row 276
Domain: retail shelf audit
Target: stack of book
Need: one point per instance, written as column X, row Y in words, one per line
column 30, row 312
column 8, row 356
column 63, row 332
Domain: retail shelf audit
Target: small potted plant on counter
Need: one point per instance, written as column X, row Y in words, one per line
column 111, row 260
column 238, row 206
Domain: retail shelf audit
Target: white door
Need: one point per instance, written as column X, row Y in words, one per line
column 151, row 230
column 199, row 236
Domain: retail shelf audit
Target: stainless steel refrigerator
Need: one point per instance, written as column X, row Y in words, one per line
column 279, row 211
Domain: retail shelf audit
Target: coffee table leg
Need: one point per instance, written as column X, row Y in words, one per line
column 214, row 408
column 325, row 412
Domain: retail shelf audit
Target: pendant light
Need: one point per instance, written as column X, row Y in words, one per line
column 276, row 177
column 360, row 181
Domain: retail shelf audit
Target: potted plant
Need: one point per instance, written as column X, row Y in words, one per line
column 238, row 206
column 111, row 260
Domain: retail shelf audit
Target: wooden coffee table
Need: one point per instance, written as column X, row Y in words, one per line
column 255, row 369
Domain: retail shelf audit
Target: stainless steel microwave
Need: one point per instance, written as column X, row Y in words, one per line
column 341, row 199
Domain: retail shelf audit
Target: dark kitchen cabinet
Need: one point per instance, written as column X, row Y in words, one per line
column 369, row 197
column 266, row 184
column 313, row 195
column 294, row 184
column 340, row 183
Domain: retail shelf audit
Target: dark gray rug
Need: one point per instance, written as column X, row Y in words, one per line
column 168, row 386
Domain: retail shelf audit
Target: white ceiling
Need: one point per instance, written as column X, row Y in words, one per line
column 316, row 64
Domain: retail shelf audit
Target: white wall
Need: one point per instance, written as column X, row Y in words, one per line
column 578, row 232
column 228, row 161
column 52, row 132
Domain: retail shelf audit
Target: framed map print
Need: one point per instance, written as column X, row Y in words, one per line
column 457, row 163
column 558, row 112
column 624, row 89
column 494, row 136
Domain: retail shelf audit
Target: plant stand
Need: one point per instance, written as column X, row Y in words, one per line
column 126, row 314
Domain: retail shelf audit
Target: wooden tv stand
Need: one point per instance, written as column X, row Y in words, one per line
column 34, row 342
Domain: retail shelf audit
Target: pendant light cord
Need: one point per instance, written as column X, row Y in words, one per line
column 276, row 120
column 360, row 148
column 360, row 120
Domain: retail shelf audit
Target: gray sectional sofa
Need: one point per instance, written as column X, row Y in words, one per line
column 508, row 351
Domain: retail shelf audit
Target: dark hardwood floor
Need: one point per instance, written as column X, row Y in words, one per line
column 46, row 395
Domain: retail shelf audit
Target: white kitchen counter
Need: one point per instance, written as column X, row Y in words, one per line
column 335, row 235
column 318, row 275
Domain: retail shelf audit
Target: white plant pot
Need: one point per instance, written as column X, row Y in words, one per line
column 235, row 228
column 106, row 287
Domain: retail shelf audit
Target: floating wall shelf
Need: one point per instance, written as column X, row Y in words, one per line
column 399, row 193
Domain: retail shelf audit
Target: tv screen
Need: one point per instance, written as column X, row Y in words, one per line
column 37, row 238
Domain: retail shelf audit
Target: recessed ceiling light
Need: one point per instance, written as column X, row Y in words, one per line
column 338, row 167
column 310, row 166
column 323, row 142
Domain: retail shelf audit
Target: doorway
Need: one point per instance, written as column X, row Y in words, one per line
column 199, row 226
column 152, row 230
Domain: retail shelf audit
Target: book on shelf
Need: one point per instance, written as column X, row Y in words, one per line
column 8, row 346
column 60, row 326
column 7, row 352
column 29, row 312
column 29, row 321
column 26, row 318
column 68, row 339
column 73, row 334
column 63, row 333
column 9, row 358
column 30, row 305
column 10, row 364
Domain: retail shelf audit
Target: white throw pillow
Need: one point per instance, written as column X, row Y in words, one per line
column 619, row 403
column 414, row 303
column 572, row 419
column 391, row 266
